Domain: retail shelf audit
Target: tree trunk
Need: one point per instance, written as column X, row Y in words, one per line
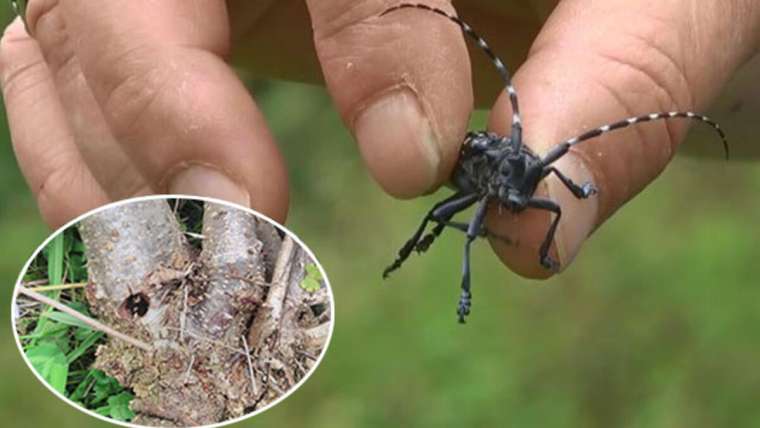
column 231, row 328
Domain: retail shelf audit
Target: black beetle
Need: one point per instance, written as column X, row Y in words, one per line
column 497, row 168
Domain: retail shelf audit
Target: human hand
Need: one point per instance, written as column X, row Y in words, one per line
column 592, row 63
column 125, row 98
column 141, row 96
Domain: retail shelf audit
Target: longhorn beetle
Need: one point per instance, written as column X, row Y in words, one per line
column 498, row 168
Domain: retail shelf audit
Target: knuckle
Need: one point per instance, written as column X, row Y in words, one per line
column 19, row 80
column 51, row 34
column 19, row 75
column 8, row 41
column 651, row 77
column 38, row 11
column 654, row 68
column 131, row 89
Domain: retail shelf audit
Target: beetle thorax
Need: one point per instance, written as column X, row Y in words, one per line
column 492, row 166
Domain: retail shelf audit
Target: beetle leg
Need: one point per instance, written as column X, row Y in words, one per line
column 473, row 230
column 442, row 210
column 458, row 226
column 543, row 252
column 428, row 239
column 580, row 192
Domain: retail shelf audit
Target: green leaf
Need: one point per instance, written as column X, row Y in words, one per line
column 313, row 271
column 81, row 334
column 119, row 405
column 95, row 388
column 54, row 253
column 67, row 319
column 84, row 346
column 104, row 387
column 51, row 329
column 83, row 387
column 77, row 246
column 310, row 285
column 80, row 307
column 48, row 360
column 313, row 279
column 55, row 260
column 78, row 267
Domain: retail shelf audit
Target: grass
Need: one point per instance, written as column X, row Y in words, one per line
column 60, row 347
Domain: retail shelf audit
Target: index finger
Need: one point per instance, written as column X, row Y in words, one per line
column 157, row 71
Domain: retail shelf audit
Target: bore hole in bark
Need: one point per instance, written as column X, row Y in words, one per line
column 137, row 305
column 318, row 309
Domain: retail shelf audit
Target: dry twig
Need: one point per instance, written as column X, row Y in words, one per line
column 85, row 319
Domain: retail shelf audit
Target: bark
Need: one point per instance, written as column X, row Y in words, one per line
column 231, row 328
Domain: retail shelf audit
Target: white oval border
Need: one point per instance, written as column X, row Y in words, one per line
column 165, row 197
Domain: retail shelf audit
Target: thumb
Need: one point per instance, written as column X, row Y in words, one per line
column 595, row 63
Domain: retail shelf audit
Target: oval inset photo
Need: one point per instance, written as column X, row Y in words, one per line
column 173, row 311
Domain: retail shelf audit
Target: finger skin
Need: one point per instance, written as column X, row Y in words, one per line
column 104, row 156
column 649, row 59
column 42, row 141
column 168, row 96
column 401, row 83
column 262, row 30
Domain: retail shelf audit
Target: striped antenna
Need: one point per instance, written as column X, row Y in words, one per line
column 498, row 63
column 563, row 147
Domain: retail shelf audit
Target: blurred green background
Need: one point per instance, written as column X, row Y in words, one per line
column 657, row 324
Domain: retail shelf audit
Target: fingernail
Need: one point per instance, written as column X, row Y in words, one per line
column 579, row 216
column 201, row 180
column 398, row 144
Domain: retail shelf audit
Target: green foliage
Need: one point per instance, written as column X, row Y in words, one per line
column 85, row 345
column 103, row 394
column 313, row 279
column 189, row 215
column 66, row 319
column 118, row 407
column 60, row 347
column 76, row 261
column 54, row 252
column 50, row 362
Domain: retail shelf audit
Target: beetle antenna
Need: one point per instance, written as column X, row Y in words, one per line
column 497, row 62
column 563, row 147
